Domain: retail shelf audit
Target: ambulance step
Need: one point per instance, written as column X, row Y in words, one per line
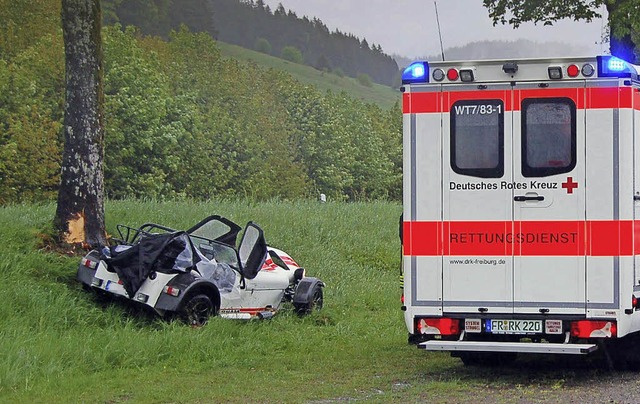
column 524, row 347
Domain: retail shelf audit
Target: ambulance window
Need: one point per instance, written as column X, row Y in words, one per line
column 548, row 136
column 477, row 138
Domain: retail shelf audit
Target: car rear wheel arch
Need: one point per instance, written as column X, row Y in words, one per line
column 194, row 291
column 208, row 289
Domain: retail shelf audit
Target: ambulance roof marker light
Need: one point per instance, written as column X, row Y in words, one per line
column 555, row 72
column 438, row 74
column 573, row 71
column 417, row 72
column 510, row 68
column 466, row 75
column 587, row 70
column 611, row 66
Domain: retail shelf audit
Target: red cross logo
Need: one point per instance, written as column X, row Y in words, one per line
column 569, row 185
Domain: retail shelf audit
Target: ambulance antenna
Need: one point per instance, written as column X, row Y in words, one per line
column 435, row 3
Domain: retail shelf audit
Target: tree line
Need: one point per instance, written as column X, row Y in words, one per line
column 183, row 121
column 253, row 25
column 247, row 22
column 160, row 17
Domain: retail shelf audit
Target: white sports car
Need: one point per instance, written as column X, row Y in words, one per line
column 199, row 273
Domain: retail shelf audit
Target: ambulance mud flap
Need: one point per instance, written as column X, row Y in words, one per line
column 520, row 347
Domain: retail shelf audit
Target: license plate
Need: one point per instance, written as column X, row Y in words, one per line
column 513, row 326
column 114, row 287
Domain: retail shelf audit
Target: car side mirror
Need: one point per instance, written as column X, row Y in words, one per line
column 252, row 251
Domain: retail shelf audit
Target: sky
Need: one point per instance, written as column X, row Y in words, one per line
column 409, row 27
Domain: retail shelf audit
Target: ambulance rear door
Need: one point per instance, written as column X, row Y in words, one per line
column 548, row 149
column 477, row 199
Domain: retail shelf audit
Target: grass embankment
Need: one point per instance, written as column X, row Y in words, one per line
column 383, row 96
column 57, row 344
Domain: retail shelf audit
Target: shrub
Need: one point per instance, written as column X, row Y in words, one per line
column 364, row 80
column 292, row 54
column 262, row 46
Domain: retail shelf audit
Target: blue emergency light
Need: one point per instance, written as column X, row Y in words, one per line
column 417, row 72
column 611, row 66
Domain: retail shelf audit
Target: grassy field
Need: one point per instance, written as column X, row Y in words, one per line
column 57, row 344
column 383, row 96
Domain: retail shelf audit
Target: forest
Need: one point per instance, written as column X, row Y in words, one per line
column 253, row 25
column 181, row 121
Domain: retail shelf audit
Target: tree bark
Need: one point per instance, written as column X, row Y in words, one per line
column 80, row 211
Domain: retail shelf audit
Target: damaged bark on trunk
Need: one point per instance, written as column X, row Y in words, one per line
column 80, row 211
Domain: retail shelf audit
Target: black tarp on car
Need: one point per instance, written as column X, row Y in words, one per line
column 155, row 252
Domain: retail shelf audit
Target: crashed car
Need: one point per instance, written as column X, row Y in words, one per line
column 199, row 273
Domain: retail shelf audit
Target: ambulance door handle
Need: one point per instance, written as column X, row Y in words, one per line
column 524, row 198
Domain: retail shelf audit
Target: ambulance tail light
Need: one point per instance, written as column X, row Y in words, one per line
column 611, row 66
column 594, row 329
column 635, row 302
column 417, row 72
column 438, row 326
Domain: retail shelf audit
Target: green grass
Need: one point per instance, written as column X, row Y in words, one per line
column 58, row 344
column 383, row 96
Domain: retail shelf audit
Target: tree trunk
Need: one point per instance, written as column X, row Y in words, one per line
column 80, row 212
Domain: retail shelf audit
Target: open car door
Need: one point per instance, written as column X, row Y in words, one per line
column 252, row 251
column 216, row 228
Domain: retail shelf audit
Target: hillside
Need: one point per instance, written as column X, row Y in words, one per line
column 253, row 25
column 383, row 96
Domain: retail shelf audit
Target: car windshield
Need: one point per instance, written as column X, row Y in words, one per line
column 214, row 250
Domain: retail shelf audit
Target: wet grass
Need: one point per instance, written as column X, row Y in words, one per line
column 57, row 343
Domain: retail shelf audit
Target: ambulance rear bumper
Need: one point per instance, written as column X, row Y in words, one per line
column 521, row 347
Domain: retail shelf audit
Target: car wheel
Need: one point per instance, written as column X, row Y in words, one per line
column 315, row 302
column 197, row 310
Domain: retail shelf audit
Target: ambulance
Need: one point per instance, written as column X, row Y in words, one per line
column 521, row 208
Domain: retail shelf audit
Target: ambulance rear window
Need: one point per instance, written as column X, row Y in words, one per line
column 548, row 136
column 477, row 138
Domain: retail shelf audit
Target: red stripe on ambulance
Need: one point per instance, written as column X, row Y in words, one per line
column 595, row 98
column 531, row 238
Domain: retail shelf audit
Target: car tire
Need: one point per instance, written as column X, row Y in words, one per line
column 197, row 309
column 315, row 302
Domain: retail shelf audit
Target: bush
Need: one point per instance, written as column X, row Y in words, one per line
column 364, row 80
column 262, row 46
column 292, row 54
